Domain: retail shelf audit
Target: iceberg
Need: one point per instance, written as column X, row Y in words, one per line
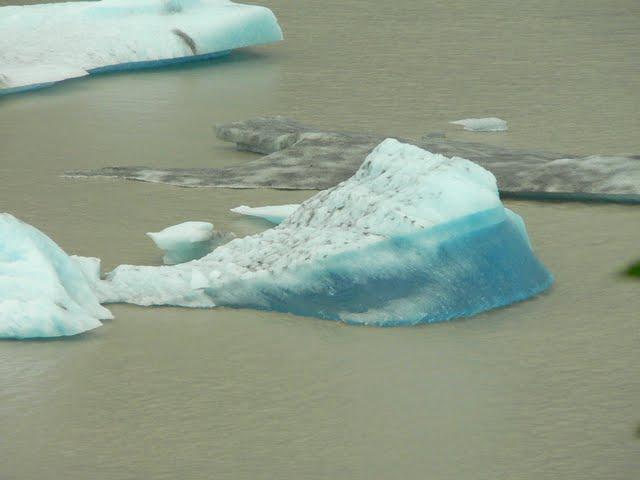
column 491, row 124
column 273, row 214
column 47, row 43
column 188, row 241
column 43, row 291
column 413, row 237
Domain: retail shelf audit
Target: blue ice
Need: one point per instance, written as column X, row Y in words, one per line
column 43, row 291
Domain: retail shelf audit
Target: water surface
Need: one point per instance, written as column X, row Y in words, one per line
column 545, row 389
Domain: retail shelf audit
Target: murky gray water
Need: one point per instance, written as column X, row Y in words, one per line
column 545, row 389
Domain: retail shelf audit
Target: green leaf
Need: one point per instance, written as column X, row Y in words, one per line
column 634, row 270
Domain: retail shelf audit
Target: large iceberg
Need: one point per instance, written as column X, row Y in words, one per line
column 43, row 291
column 412, row 237
column 44, row 44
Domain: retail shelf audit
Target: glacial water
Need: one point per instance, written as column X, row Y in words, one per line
column 544, row 389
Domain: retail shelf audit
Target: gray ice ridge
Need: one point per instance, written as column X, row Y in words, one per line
column 301, row 157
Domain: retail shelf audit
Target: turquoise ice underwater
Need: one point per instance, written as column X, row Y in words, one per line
column 467, row 266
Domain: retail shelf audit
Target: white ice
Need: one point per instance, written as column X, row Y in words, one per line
column 45, row 43
column 188, row 241
column 491, row 124
column 43, row 291
column 351, row 237
column 272, row 213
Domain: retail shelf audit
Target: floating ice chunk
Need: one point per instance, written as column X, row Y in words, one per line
column 47, row 43
column 43, row 292
column 491, row 124
column 188, row 241
column 412, row 237
column 274, row 214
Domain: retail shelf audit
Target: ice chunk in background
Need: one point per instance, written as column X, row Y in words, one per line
column 188, row 241
column 412, row 237
column 47, row 43
column 273, row 214
column 44, row 292
column 491, row 124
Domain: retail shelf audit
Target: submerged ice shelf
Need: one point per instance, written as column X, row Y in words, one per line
column 299, row 156
column 47, row 43
column 412, row 237
column 43, row 291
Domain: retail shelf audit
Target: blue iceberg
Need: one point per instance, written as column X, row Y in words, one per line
column 43, row 291
column 413, row 237
column 44, row 44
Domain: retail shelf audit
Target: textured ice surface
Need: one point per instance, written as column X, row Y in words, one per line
column 263, row 135
column 307, row 158
column 90, row 268
column 188, row 241
column 274, row 214
column 412, row 237
column 46, row 43
column 43, row 291
column 490, row 124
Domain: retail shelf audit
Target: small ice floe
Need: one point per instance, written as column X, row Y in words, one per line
column 273, row 214
column 43, row 291
column 490, row 124
column 188, row 241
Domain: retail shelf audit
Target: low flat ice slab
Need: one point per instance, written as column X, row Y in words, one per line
column 43, row 291
column 272, row 213
column 412, row 237
column 188, row 241
column 490, row 124
column 47, row 43
column 306, row 158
